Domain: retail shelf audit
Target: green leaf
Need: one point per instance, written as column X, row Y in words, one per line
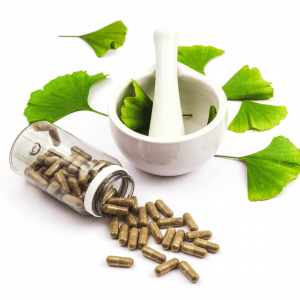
column 247, row 84
column 256, row 116
column 269, row 170
column 110, row 37
column 212, row 114
column 60, row 97
column 136, row 111
column 196, row 57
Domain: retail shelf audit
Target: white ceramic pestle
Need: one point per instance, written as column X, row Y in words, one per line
column 166, row 118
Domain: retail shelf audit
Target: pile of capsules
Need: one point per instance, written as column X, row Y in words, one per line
column 129, row 234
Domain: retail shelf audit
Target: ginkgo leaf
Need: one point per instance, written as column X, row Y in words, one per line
column 212, row 114
column 110, row 37
column 196, row 57
column 269, row 170
column 256, row 116
column 247, row 84
column 136, row 111
column 60, row 97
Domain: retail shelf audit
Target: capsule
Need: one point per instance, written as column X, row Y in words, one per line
column 142, row 216
column 133, row 238
column 34, row 177
column 118, row 261
column 123, row 235
column 131, row 221
column 143, row 237
column 53, row 152
column 191, row 235
column 41, row 159
column 163, row 208
column 76, row 163
column 84, row 174
column 41, row 171
column 168, row 238
column 66, row 161
column 79, row 151
column 188, row 271
column 127, row 202
column 189, row 221
column 73, row 202
column 61, row 179
column 74, row 186
column 152, row 211
column 156, row 233
column 193, row 250
column 42, row 126
column 177, row 241
column 55, row 167
column 34, row 166
column 166, row 267
column 111, row 209
column 209, row 246
column 153, row 254
column 66, row 173
column 110, row 193
column 49, row 160
column 53, row 187
column 54, row 137
column 134, row 208
column 170, row 222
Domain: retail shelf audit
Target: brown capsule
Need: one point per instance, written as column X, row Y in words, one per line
column 152, row 211
column 134, row 208
column 41, row 171
column 189, row 221
column 156, row 233
column 153, row 254
column 163, row 208
column 127, row 202
column 49, row 160
column 76, row 163
column 53, row 152
column 177, row 241
column 66, row 161
column 61, row 179
column 52, row 180
column 142, row 216
column 110, row 193
column 73, row 202
column 133, row 238
column 131, row 221
column 166, row 267
column 41, row 159
column 53, row 133
column 193, row 250
column 123, row 235
column 42, row 126
column 143, row 237
column 170, row 222
column 79, row 151
column 84, row 174
column 74, row 186
column 66, row 173
column 114, row 227
column 35, row 178
column 191, row 235
column 35, row 166
column 168, row 238
column 209, row 246
column 118, row 261
column 111, row 209
column 188, row 271
column 53, row 188
column 55, row 167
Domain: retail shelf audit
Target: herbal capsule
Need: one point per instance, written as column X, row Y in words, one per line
column 191, row 235
column 189, row 221
column 188, row 271
column 41, row 159
column 143, row 237
column 84, row 174
column 77, row 162
column 66, row 161
column 209, row 246
column 61, row 179
column 156, row 233
column 35, row 166
column 142, row 216
column 134, row 208
column 55, row 167
column 127, row 202
column 74, row 186
column 66, row 173
column 133, row 238
column 37, row 179
column 193, row 250
column 118, row 261
column 79, row 151
column 52, row 180
column 168, row 238
column 123, row 235
column 163, row 208
column 131, row 221
column 41, row 171
column 53, row 152
column 170, row 222
column 166, row 267
column 53, row 187
column 74, row 202
column 115, row 210
column 152, row 211
column 177, row 241
column 54, row 137
column 42, row 126
column 110, row 193
column 153, row 254
column 49, row 160
column 114, row 227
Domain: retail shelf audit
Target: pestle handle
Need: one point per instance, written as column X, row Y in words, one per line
column 166, row 118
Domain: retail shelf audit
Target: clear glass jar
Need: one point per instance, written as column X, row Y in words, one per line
column 68, row 169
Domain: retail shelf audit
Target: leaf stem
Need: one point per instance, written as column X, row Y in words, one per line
column 68, row 36
column 227, row 156
column 100, row 113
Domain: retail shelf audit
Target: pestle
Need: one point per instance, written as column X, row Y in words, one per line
column 166, row 118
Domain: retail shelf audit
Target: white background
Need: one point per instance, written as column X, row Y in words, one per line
column 49, row 251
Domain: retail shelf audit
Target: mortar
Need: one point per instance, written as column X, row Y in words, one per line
column 176, row 155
